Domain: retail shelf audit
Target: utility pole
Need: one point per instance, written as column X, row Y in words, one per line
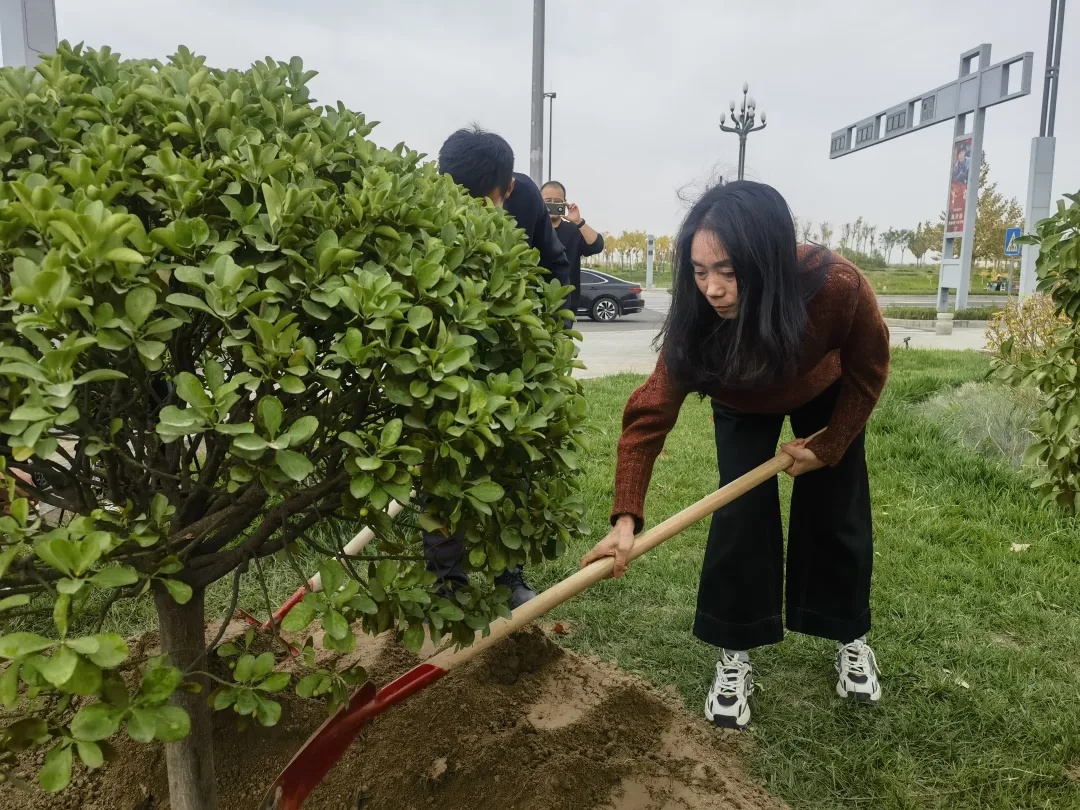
column 536, row 145
column 27, row 30
column 1041, row 166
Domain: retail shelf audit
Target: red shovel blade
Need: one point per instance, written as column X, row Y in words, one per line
column 324, row 747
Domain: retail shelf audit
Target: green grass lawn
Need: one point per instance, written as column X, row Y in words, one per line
column 979, row 645
column 923, row 280
column 930, row 313
column 897, row 280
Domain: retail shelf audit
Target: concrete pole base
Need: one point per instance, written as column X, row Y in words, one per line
column 944, row 324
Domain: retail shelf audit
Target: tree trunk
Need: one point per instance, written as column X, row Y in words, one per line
column 190, row 762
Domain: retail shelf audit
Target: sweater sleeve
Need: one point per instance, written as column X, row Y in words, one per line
column 864, row 368
column 650, row 414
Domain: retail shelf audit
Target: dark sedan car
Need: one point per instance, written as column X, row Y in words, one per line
column 605, row 298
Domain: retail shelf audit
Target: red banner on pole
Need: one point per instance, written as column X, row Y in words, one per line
column 958, row 185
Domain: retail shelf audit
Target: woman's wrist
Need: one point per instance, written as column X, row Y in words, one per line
column 625, row 521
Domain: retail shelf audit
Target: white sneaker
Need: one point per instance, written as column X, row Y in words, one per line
column 858, row 672
column 728, row 703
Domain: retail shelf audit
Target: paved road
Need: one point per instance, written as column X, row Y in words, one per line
column 648, row 320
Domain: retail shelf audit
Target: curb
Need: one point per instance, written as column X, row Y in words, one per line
column 929, row 323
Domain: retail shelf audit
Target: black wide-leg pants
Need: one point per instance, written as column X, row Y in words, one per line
column 830, row 540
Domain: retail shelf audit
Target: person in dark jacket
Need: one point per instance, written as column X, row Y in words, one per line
column 483, row 163
column 578, row 237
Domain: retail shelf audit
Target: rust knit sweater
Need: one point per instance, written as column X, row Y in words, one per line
column 846, row 340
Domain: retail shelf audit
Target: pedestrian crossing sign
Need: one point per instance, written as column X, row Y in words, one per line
column 1011, row 235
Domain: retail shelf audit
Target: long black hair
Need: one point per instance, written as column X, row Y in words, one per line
column 761, row 345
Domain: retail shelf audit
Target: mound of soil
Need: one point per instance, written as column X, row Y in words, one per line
column 527, row 726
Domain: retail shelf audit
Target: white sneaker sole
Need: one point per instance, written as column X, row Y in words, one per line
column 736, row 722
column 864, row 698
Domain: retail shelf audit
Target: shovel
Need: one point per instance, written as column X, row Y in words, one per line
column 351, row 549
column 326, row 745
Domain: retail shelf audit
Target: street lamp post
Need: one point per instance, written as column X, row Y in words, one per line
column 536, row 139
column 551, row 129
column 743, row 123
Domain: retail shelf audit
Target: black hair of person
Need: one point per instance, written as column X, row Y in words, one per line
column 562, row 188
column 481, row 161
column 761, row 344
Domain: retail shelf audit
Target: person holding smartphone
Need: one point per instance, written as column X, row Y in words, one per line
column 766, row 328
column 578, row 237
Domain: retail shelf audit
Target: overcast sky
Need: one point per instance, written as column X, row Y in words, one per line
column 641, row 86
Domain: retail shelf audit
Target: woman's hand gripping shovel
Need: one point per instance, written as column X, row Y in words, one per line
column 326, row 745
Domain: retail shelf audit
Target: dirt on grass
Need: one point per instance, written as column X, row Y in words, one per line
column 528, row 726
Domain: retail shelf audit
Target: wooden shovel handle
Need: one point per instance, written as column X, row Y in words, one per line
column 601, row 569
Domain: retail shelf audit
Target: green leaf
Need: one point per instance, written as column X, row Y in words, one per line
column 250, row 443
column 264, row 665
column 413, row 637
column 9, row 685
column 487, row 492
column 61, row 612
column 85, row 680
column 225, row 698
column 111, row 649
column 332, row 575
column 298, row 618
column 90, row 754
column 364, row 604
column 276, row 682
column 268, row 712
column 179, row 591
column 18, row 600
column 190, row 389
column 141, row 724
column 97, row 721
column 386, row 572
column 292, row 385
column 56, row 772
column 158, row 684
column 451, row 612
column 245, row 668
column 301, row 431
column 173, row 723
column 59, row 667
column 311, row 685
column 188, row 302
column 419, row 317
column 115, row 577
column 391, row 432
column 123, row 254
column 100, row 375
column 335, row 625
column 270, row 415
column 294, row 465
column 246, row 702
column 139, row 303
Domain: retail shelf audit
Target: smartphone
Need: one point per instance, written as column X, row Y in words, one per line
column 556, row 209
